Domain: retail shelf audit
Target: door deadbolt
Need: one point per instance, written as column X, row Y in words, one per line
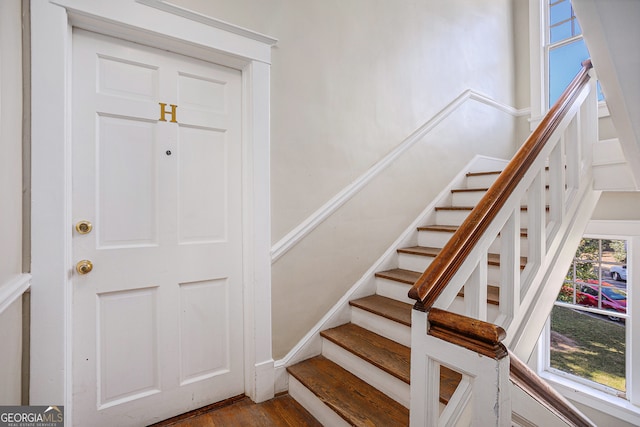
column 84, row 227
column 85, row 266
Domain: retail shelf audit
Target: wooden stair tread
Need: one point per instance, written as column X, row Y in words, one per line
column 400, row 275
column 470, row 208
column 435, row 227
column 449, row 381
column 477, row 189
column 484, row 173
column 386, row 307
column 454, row 228
column 493, row 294
column 420, row 250
column 468, row 190
column 388, row 355
column 354, row 400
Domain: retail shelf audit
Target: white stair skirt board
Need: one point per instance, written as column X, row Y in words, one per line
column 396, row 389
column 381, row 326
column 311, row 403
column 394, row 290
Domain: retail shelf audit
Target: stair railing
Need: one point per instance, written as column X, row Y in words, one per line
column 546, row 188
column 530, row 383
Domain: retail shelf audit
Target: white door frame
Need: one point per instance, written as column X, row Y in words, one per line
column 160, row 24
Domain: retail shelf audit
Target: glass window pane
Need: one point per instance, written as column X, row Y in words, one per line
column 600, row 93
column 560, row 11
column 566, row 293
column 588, row 346
column 560, row 32
column 564, row 64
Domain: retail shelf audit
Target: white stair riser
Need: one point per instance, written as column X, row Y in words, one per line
column 472, row 198
column 466, row 198
column 394, row 290
column 481, row 181
column 381, row 326
column 412, row 262
column 524, row 246
column 454, row 217
column 493, row 275
column 451, row 217
column 420, row 263
column 433, row 239
column 396, row 389
column 437, row 239
column 311, row 403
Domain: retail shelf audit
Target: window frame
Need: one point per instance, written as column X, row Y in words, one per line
column 597, row 396
column 539, row 47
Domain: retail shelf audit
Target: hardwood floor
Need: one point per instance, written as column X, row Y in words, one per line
column 281, row 411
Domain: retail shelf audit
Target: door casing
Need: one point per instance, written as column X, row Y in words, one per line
column 160, row 24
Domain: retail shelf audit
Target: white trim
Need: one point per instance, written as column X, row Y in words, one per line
column 590, row 397
column 319, row 216
column 167, row 6
column 51, row 281
column 603, row 109
column 13, row 289
column 608, row 228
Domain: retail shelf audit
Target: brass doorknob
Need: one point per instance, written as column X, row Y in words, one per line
column 84, row 227
column 85, row 266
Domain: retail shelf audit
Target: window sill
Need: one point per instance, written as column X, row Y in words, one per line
column 590, row 397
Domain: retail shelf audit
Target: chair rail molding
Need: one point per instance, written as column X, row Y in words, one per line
column 13, row 289
column 325, row 211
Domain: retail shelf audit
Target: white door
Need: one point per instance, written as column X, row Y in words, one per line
column 157, row 322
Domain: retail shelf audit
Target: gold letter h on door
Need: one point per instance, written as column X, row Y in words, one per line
column 163, row 112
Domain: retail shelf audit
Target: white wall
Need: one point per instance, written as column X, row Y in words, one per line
column 618, row 206
column 350, row 80
column 10, row 196
column 11, row 354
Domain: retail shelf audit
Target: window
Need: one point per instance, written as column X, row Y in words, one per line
column 565, row 48
column 556, row 55
column 587, row 339
column 589, row 350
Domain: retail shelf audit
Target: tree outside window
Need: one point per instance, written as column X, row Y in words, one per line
column 588, row 337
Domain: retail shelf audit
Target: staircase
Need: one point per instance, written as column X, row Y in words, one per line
column 362, row 376
column 471, row 315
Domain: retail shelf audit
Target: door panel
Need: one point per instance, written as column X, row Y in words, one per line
column 158, row 322
column 203, row 198
column 126, row 177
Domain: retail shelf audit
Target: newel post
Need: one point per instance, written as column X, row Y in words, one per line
column 470, row 347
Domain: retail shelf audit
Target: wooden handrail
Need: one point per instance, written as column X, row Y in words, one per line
column 433, row 281
column 525, row 378
column 473, row 334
